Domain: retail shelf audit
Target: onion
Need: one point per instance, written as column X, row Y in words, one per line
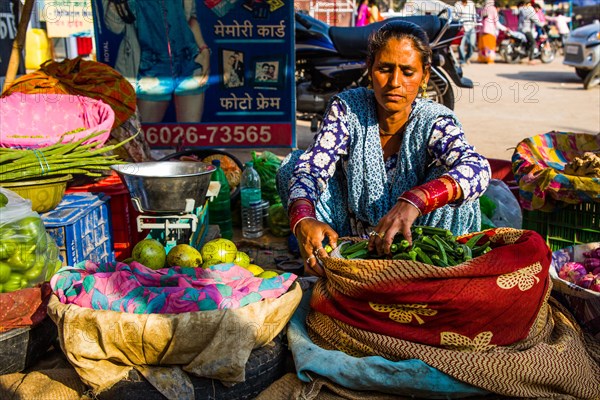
column 586, row 280
column 595, row 286
column 572, row 271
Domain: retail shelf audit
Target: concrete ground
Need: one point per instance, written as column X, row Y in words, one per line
column 508, row 104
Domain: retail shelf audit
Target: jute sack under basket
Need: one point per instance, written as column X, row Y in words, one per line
column 103, row 346
column 479, row 321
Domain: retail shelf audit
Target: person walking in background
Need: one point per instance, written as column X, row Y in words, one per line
column 541, row 16
column 374, row 14
column 562, row 25
column 467, row 14
column 489, row 32
column 362, row 13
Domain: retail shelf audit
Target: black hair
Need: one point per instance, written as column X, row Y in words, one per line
column 399, row 30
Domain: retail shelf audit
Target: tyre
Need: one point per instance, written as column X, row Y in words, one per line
column 436, row 93
column 582, row 73
column 593, row 78
column 509, row 55
column 547, row 54
column 265, row 366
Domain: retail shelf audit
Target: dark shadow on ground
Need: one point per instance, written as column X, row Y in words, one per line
column 544, row 76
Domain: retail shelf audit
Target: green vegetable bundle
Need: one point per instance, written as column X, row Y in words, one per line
column 435, row 246
column 57, row 159
column 267, row 165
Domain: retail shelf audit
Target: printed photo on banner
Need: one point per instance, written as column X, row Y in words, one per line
column 232, row 68
column 268, row 72
column 207, row 73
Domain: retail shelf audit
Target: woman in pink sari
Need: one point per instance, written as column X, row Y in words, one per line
column 489, row 31
column 362, row 14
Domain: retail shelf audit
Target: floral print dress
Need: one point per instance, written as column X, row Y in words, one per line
column 345, row 164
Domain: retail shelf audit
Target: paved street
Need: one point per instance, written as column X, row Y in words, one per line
column 508, row 104
column 512, row 102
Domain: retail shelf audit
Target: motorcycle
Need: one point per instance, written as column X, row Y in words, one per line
column 331, row 59
column 514, row 48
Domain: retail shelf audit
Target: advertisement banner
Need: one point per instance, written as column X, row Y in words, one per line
column 8, row 33
column 66, row 18
column 207, row 73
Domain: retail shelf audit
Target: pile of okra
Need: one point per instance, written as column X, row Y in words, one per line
column 435, row 246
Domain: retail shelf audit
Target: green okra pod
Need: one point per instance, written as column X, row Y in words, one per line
column 421, row 256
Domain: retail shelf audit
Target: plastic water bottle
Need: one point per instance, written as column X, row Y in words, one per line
column 219, row 209
column 252, row 213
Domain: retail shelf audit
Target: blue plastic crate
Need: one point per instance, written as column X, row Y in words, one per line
column 80, row 226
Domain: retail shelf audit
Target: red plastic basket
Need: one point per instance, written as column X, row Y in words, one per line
column 123, row 214
column 502, row 169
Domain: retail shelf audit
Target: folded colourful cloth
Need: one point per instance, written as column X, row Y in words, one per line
column 538, row 163
column 137, row 289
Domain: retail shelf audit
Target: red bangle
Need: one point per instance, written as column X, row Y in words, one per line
column 299, row 210
column 433, row 194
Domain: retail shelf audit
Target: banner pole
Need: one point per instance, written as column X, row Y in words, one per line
column 18, row 42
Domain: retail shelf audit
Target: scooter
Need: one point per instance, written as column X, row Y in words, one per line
column 514, row 48
column 331, row 59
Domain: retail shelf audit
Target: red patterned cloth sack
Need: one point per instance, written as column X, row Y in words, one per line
column 479, row 321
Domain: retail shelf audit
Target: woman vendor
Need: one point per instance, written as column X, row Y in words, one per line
column 384, row 159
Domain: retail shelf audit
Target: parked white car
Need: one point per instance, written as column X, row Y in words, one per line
column 582, row 51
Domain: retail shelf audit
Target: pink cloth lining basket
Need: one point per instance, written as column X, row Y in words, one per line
column 40, row 119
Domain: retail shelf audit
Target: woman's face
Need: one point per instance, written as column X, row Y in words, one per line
column 397, row 73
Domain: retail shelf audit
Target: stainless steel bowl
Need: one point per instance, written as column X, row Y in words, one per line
column 166, row 186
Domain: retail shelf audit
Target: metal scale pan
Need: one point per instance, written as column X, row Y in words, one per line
column 168, row 194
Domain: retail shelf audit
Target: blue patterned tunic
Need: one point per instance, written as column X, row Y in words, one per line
column 353, row 187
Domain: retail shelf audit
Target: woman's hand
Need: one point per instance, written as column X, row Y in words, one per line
column 398, row 220
column 201, row 74
column 310, row 234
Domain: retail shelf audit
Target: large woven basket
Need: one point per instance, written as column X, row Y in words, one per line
column 39, row 120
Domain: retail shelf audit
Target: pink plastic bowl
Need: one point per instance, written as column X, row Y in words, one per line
column 38, row 120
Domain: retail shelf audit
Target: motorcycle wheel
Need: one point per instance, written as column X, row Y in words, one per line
column 509, row 55
column 593, row 78
column 434, row 92
column 547, row 54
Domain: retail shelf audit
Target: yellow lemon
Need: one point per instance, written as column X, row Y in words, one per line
column 211, row 262
column 255, row 269
column 268, row 274
column 221, row 249
column 242, row 259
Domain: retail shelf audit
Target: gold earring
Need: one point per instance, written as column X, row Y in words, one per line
column 424, row 88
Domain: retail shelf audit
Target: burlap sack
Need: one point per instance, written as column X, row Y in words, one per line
column 104, row 346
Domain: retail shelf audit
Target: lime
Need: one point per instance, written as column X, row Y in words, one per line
column 255, row 269
column 151, row 253
column 268, row 274
column 221, row 249
column 3, row 200
column 5, row 272
column 242, row 259
column 184, row 255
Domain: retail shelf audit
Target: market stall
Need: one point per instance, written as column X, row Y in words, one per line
column 124, row 277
